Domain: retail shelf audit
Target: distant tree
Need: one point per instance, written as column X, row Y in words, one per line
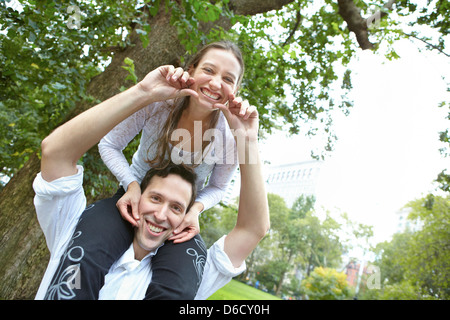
column 326, row 284
column 418, row 260
column 297, row 240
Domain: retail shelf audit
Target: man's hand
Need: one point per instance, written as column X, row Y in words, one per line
column 253, row 213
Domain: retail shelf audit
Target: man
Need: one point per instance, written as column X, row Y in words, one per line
column 60, row 199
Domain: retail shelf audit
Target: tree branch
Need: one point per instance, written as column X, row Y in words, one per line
column 297, row 24
column 252, row 7
column 357, row 24
column 427, row 43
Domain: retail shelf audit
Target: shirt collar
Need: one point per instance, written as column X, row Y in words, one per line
column 127, row 260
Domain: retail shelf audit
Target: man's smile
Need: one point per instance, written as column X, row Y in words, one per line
column 154, row 229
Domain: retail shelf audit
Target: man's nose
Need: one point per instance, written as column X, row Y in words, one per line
column 161, row 213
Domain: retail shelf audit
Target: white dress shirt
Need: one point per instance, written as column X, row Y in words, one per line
column 127, row 278
column 59, row 205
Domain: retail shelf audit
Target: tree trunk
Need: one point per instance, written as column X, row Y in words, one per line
column 24, row 255
column 283, row 273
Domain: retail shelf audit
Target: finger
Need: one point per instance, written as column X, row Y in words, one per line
column 183, row 225
column 236, row 102
column 185, row 77
column 178, row 236
column 187, row 92
column 135, row 211
column 123, row 209
column 178, row 72
column 244, row 107
column 251, row 111
column 190, row 81
column 170, row 70
column 186, row 237
column 225, row 110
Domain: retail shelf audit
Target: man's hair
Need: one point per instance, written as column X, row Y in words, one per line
column 167, row 168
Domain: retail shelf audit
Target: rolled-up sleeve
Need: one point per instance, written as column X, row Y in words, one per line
column 58, row 205
column 218, row 270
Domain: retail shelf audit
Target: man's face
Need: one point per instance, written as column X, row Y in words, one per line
column 162, row 207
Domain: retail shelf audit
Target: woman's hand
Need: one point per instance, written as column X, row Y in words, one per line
column 190, row 226
column 241, row 116
column 167, row 82
column 128, row 205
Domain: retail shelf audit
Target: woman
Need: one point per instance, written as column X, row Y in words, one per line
column 214, row 73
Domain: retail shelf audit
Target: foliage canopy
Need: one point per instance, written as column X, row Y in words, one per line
column 296, row 57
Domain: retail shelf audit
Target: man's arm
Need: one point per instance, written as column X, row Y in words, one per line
column 66, row 145
column 253, row 213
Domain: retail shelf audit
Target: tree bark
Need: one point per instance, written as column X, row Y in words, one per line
column 355, row 22
column 24, row 255
column 359, row 25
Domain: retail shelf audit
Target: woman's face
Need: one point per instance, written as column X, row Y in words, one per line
column 216, row 77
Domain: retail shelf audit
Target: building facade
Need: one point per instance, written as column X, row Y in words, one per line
column 294, row 179
column 403, row 223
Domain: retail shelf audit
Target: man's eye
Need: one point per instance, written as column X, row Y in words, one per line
column 229, row 80
column 177, row 209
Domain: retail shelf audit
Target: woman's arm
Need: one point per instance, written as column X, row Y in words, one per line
column 225, row 167
column 217, row 185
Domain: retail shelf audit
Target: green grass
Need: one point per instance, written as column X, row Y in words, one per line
column 236, row 290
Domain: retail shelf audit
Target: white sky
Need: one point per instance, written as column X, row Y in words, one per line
column 387, row 152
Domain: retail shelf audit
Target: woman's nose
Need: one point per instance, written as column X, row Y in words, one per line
column 215, row 83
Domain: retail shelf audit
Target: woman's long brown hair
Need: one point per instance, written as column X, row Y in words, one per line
column 164, row 148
